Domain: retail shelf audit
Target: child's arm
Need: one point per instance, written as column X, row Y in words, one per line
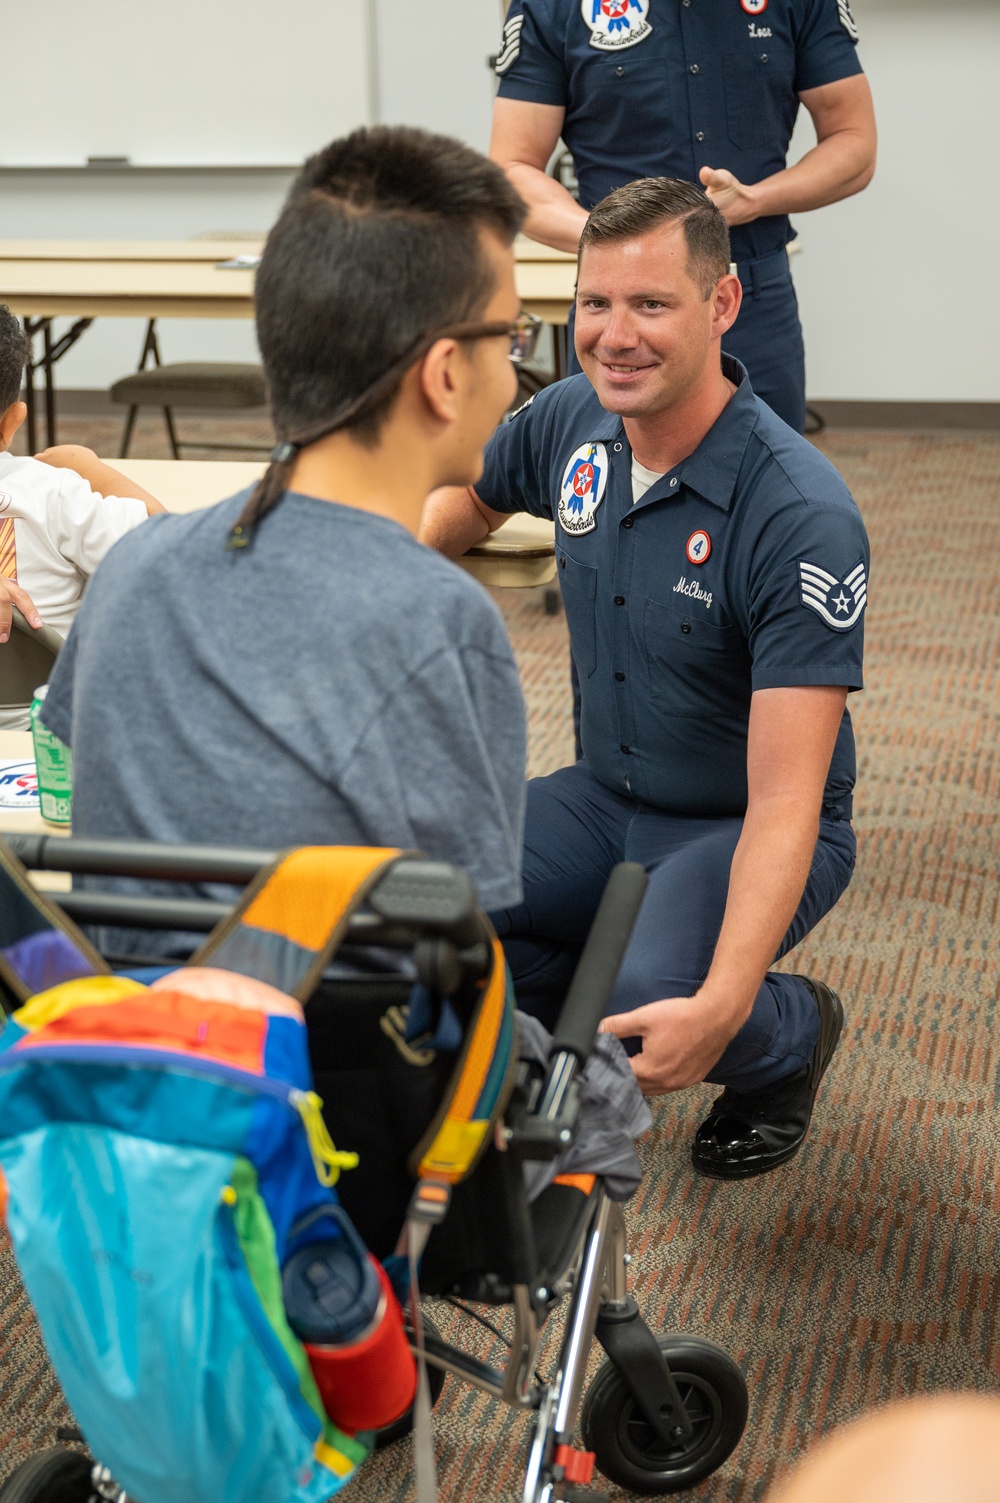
column 102, row 478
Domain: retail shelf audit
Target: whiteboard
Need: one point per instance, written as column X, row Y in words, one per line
column 178, row 83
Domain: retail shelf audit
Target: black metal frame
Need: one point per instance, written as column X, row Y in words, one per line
column 51, row 352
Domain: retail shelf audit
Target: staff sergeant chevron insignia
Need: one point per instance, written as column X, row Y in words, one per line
column 847, row 20
column 510, row 45
column 839, row 602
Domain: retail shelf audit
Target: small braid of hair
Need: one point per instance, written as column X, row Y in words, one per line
column 269, row 490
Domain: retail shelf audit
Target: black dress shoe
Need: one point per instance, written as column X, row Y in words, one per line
column 748, row 1134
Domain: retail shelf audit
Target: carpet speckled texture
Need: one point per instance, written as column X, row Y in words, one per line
column 868, row 1267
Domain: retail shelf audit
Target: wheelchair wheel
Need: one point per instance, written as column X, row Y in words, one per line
column 714, row 1393
column 390, row 1433
column 55, row 1476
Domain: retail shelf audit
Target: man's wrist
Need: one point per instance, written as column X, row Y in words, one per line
column 728, row 1006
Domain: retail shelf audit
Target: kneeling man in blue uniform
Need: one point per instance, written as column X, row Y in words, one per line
column 714, row 569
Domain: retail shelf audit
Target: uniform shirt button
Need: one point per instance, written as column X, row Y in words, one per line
column 673, row 482
column 628, row 521
column 562, row 563
column 619, row 72
column 694, row 68
column 699, row 135
column 618, row 448
column 763, row 57
column 620, row 600
column 626, row 749
column 619, row 677
column 686, row 627
column 686, row 4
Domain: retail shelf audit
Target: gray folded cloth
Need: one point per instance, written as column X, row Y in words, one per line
column 613, row 1113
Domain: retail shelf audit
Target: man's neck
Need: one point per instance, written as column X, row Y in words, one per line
column 661, row 440
column 392, row 479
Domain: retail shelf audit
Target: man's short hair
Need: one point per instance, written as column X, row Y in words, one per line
column 14, row 351
column 377, row 246
column 650, row 201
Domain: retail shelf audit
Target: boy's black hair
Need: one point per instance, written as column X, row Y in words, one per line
column 376, row 248
column 14, row 351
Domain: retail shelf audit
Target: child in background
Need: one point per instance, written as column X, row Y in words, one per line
column 56, row 522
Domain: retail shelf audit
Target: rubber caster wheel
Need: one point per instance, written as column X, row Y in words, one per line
column 56, row 1476
column 435, row 1379
column 714, row 1393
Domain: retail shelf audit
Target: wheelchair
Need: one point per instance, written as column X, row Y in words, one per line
column 663, row 1412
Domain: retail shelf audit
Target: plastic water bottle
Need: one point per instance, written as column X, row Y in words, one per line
column 54, row 766
column 342, row 1307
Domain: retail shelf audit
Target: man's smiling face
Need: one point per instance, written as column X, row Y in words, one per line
column 645, row 332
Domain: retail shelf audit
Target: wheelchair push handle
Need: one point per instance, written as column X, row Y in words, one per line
column 544, row 1124
column 597, row 970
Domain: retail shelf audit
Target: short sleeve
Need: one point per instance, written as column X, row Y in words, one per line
column 530, row 62
column 83, row 524
column 444, row 760
column 807, row 598
column 57, row 711
column 516, row 460
column 826, row 47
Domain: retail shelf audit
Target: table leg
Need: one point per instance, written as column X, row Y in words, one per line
column 50, row 390
column 29, row 386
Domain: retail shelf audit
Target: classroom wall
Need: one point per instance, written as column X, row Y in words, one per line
column 892, row 283
column 888, row 281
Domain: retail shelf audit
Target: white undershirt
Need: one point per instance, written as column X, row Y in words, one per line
column 642, row 479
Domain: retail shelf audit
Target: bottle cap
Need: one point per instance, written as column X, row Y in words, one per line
column 332, row 1291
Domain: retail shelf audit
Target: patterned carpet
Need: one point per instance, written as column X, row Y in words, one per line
column 868, row 1267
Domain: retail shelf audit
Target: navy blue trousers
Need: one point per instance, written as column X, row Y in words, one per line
column 766, row 338
column 577, row 829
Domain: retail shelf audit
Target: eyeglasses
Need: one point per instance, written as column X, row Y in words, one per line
column 523, row 334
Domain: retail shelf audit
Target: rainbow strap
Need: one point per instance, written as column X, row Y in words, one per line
column 288, row 928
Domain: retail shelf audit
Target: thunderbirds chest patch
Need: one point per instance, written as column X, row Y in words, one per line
column 615, row 24
column 838, row 601
column 584, row 482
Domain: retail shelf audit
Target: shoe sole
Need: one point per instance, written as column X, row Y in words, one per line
column 831, row 1026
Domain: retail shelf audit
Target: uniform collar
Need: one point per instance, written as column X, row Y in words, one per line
column 712, row 470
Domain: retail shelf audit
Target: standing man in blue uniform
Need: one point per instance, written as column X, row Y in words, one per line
column 707, row 91
column 714, row 570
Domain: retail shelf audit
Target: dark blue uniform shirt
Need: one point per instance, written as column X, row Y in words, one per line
column 743, row 568
column 662, row 88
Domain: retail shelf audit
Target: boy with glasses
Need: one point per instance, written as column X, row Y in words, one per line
column 293, row 666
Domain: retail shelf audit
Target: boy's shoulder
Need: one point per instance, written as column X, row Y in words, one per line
column 27, row 485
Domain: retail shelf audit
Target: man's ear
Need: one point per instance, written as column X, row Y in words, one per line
column 10, row 421
column 728, row 298
column 442, row 378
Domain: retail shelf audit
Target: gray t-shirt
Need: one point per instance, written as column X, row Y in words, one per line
column 336, row 683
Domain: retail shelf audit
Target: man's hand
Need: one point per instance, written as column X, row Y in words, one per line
column 11, row 594
column 737, row 202
column 682, row 1038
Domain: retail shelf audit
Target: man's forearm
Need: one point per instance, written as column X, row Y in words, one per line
column 452, row 522
column 766, row 882
column 834, row 169
column 554, row 216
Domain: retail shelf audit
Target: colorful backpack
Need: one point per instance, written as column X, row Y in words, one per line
column 162, row 1154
